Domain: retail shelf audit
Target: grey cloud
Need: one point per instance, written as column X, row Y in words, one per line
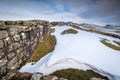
column 104, row 10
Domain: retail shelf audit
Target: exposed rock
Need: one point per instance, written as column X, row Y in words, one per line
column 27, row 23
column 94, row 78
column 10, row 22
column 63, row 79
column 16, row 38
column 36, row 76
column 2, row 26
column 13, row 31
column 1, row 53
column 22, row 76
column 10, row 65
column 3, row 34
column 1, row 44
column 3, row 61
column 8, row 40
column 23, row 35
column 11, row 55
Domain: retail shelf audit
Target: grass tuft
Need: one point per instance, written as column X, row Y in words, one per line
column 69, row 31
column 45, row 47
column 75, row 74
column 104, row 41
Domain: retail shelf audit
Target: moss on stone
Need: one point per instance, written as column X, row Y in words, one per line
column 45, row 47
column 75, row 74
column 69, row 31
column 110, row 45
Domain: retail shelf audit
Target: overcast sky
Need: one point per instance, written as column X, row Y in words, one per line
column 99, row 12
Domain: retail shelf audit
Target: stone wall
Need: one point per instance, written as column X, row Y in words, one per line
column 18, row 40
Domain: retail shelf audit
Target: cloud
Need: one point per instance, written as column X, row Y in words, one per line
column 91, row 11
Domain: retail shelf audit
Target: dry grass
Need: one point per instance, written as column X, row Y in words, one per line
column 75, row 74
column 104, row 41
column 69, row 31
column 44, row 48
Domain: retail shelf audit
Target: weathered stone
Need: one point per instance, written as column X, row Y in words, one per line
column 23, row 35
column 10, row 48
column 3, row 61
column 27, row 23
column 23, row 28
column 8, row 40
column 10, row 22
column 96, row 78
column 1, row 44
column 13, row 31
column 22, row 76
column 3, row 70
column 36, row 76
column 55, row 78
column 33, row 27
column 38, row 34
column 16, row 38
column 50, row 78
column 63, row 79
column 11, row 55
column 15, row 66
column 16, row 45
column 11, row 74
column 1, row 54
column 19, row 50
column 2, row 26
column 11, row 63
column 3, row 34
column 24, row 42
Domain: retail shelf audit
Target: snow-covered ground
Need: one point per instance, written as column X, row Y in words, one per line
column 79, row 51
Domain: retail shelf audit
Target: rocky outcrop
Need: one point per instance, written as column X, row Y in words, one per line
column 34, row 76
column 18, row 40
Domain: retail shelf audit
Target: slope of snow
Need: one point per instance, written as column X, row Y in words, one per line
column 75, row 50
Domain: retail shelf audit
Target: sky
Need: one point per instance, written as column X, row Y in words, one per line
column 99, row 12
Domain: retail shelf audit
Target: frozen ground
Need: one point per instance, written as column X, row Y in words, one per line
column 79, row 51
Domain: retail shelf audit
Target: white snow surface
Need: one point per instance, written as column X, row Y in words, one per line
column 81, row 51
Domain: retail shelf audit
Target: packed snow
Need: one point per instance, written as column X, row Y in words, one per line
column 79, row 51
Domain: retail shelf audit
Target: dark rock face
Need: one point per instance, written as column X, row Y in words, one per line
column 18, row 40
column 21, row 76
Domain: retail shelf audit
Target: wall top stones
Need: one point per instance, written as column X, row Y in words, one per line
column 18, row 40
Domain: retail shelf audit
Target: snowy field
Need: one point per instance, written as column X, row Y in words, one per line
column 81, row 51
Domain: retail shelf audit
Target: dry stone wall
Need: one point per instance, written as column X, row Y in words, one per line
column 18, row 40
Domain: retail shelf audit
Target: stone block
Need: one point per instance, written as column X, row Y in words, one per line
column 3, row 34
column 16, row 45
column 10, row 22
column 10, row 48
column 16, row 38
column 23, row 28
column 23, row 35
column 11, row 55
column 1, row 44
column 13, row 31
column 3, row 70
column 19, row 50
column 8, row 40
column 3, row 61
column 1, row 54
column 36, row 76
column 27, row 23
column 11, row 63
